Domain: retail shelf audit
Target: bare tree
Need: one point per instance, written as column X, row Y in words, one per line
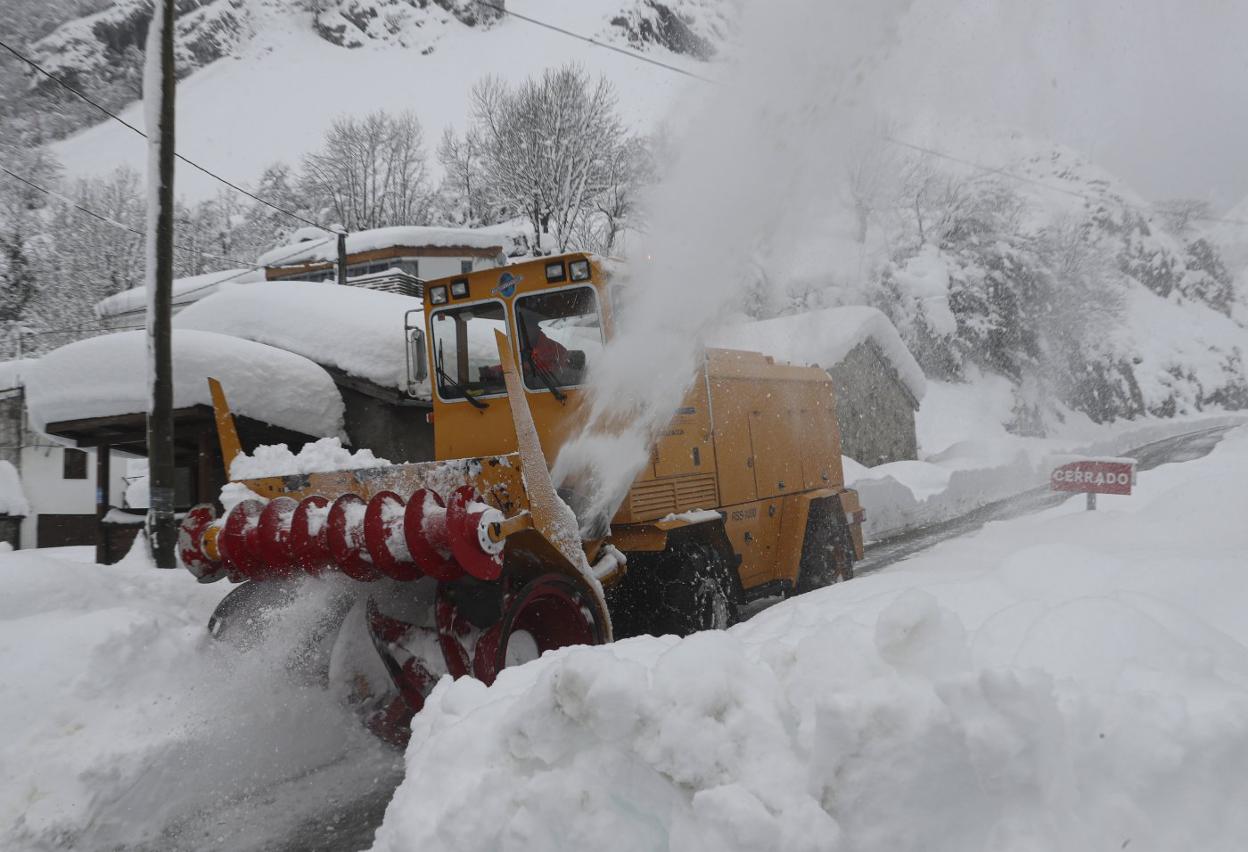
column 371, row 172
column 630, row 167
column 548, row 147
column 463, row 183
column 1181, row 214
column 87, row 259
column 871, row 176
column 21, row 209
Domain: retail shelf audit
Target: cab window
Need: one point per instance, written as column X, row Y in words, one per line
column 465, row 354
column 560, row 334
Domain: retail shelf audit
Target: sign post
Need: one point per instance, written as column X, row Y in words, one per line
column 1094, row 476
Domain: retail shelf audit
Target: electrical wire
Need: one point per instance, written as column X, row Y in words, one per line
column 1034, row 182
column 303, row 247
column 587, row 39
column 899, row 142
column 110, row 221
column 255, row 267
column 77, row 93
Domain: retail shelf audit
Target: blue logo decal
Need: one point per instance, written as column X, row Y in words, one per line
column 507, row 284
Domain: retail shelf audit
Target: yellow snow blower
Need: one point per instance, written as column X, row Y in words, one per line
column 473, row 561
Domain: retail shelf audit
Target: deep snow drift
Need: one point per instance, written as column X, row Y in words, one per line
column 1069, row 681
column 126, row 726
column 353, row 329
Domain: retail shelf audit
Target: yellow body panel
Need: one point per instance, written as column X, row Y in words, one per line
column 753, row 439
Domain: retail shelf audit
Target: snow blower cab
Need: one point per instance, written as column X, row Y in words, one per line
column 471, row 561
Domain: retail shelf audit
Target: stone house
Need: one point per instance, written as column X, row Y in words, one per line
column 878, row 383
column 874, row 408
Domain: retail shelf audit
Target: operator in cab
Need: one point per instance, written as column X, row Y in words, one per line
column 545, row 361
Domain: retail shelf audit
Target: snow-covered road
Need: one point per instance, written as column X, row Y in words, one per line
column 1173, row 449
column 961, row 687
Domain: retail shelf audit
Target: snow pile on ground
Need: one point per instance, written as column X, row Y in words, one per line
column 107, row 375
column 12, row 498
column 1049, row 683
column 127, row 726
column 316, row 457
column 185, row 292
column 355, row 330
column 825, row 337
column 324, row 248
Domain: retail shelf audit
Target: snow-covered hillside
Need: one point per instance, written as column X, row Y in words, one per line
column 1025, row 258
column 269, row 76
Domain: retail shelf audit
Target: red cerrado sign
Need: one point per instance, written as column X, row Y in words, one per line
column 1095, row 476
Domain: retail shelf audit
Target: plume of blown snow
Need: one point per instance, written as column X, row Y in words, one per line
column 762, row 157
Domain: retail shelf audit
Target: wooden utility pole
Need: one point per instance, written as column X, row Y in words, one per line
column 158, row 95
column 342, row 257
column 103, row 454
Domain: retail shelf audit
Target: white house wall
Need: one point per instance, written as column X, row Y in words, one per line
column 441, row 267
column 49, row 493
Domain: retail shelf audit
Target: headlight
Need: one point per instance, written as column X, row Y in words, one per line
column 437, row 295
column 459, row 289
column 554, row 272
column 579, row 270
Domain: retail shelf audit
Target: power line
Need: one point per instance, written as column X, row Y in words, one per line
column 303, row 247
column 1035, row 182
column 78, row 329
column 110, row 221
column 625, row 51
column 989, row 170
column 77, row 93
column 254, row 267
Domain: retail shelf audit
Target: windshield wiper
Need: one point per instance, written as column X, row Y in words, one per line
column 451, row 384
column 547, row 379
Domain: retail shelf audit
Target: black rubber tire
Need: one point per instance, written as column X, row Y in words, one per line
column 694, row 590
column 631, row 600
column 827, row 551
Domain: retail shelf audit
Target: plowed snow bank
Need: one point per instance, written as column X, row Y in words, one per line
column 126, row 726
column 1070, row 681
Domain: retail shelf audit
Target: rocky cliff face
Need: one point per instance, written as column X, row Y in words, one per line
column 103, row 51
column 108, row 46
column 689, row 27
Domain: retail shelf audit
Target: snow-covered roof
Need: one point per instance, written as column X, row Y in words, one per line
column 185, row 291
column 356, row 330
column 12, row 373
column 325, row 248
column 825, row 337
column 106, row 376
column 12, row 498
